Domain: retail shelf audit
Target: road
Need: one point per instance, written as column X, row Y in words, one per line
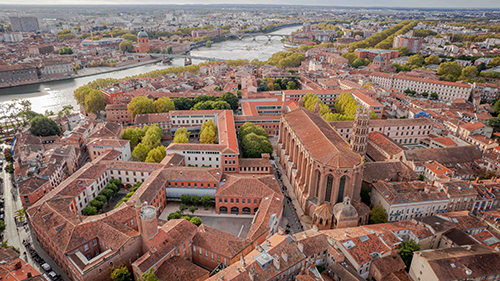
column 290, row 220
column 15, row 235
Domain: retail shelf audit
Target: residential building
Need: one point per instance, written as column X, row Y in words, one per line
column 24, row 24
column 412, row 43
column 18, row 74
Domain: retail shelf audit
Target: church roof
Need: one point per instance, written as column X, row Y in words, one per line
column 321, row 140
column 142, row 33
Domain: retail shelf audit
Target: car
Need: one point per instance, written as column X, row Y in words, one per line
column 52, row 275
column 46, row 267
column 1, row 163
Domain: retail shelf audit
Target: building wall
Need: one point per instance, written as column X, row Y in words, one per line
column 29, row 199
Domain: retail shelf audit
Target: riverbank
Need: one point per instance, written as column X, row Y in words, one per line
column 92, row 71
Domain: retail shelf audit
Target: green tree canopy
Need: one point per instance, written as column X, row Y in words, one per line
column 495, row 123
column 156, row 155
column 94, row 102
column 205, row 200
column 126, row 46
column 310, row 103
column 141, row 105
column 378, row 215
column 208, row 133
column 96, row 204
column 231, row 99
column 44, row 126
column 164, row 104
column 360, row 62
column 89, row 211
column 121, row 273
column 432, row 59
column 129, row 37
column 183, row 103
column 149, row 276
column 416, row 60
column 65, row 51
column 196, row 221
column 350, row 56
column 181, row 136
column 469, row 72
column 406, row 250
column 254, row 145
column 450, row 69
column 134, row 135
column 141, row 152
column 153, row 135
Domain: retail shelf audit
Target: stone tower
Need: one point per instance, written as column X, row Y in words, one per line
column 359, row 138
column 148, row 224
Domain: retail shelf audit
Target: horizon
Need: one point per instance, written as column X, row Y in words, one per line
column 369, row 4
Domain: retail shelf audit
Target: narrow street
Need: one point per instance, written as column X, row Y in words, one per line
column 14, row 234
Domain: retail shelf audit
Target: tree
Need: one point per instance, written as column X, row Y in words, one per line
column 469, row 72
column 195, row 200
column 153, row 135
column 192, row 209
column 181, row 136
column 360, row 62
column 208, row 133
column 196, row 221
column 495, row 123
column 141, row 152
column 310, row 101
column 434, row 96
column 365, row 196
column 205, row 201
column 121, row 273
column 134, row 135
column 126, row 46
column 107, row 192
column 451, row 69
column 174, row 215
column 182, row 208
column 185, row 199
column 421, row 177
column 350, row 56
column 495, row 62
column 164, row 104
column 496, row 107
column 81, row 93
column 291, row 85
column 44, row 126
column 89, row 211
column 21, row 214
column 432, row 59
column 378, row 215
column 209, row 44
column 149, row 276
column 141, row 105
column 169, row 49
column 416, row 60
column 129, row 37
column 231, row 99
column 403, row 51
column 2, row 226
column 406, row 250
column 94, row 102
column 65, row 51
column 183, row 103
column 101, row 198
column 96, row 204
column 425, row 94
column 156, row 155
column 254, row 145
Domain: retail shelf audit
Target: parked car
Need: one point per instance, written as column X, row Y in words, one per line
column 53, row 275
column 46, row 267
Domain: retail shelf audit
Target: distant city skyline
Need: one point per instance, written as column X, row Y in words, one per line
column 354, row 3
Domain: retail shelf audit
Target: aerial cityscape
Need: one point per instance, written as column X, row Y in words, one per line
column 314, row 141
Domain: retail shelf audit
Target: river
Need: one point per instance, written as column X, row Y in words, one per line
column 54, row 95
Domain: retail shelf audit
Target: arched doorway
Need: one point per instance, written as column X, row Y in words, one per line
column 340, row 197
column 223, row 210
column 246, row 210
column 235, row 210
column 329, row 185
column 255, row 210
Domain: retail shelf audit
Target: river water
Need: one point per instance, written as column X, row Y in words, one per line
column 54, row 95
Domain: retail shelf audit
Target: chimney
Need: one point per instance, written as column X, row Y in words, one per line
column 300, row 246
column 276, row 262
column 28, row 275
column 268, row 243
column 284, row 256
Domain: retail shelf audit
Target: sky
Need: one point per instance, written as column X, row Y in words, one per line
column 357, row 3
